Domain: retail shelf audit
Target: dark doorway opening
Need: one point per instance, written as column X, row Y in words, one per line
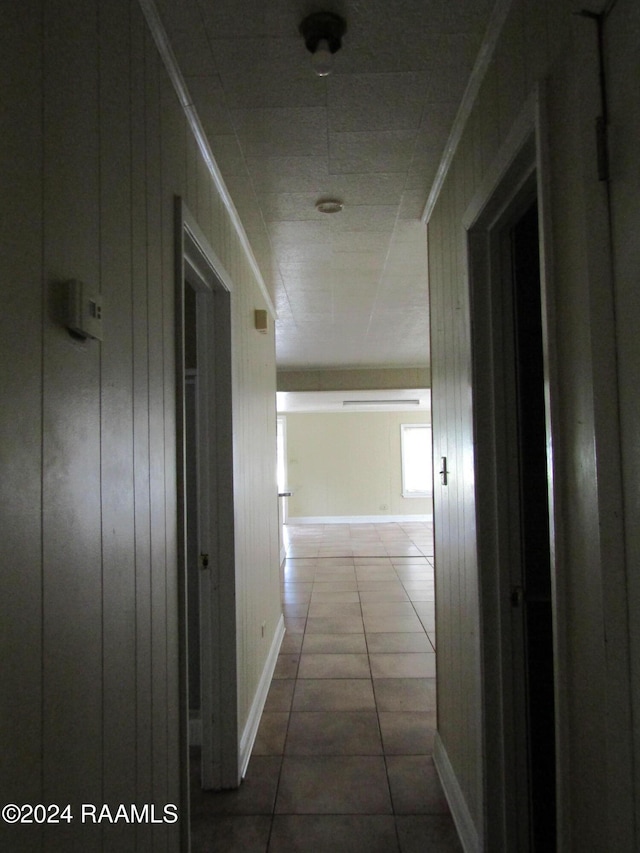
column 513, row 395
column 531, row 597
column 191, row 489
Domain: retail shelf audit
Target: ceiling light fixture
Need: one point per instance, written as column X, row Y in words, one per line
column 322, row 33
column 329, row 205
column 381, row 402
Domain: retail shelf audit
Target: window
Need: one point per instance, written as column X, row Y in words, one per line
column 416, row 460
column 281, row 437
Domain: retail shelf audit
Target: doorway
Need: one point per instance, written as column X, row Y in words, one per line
column 205, row 512
column 530, row 594
column 283, row 492
column 514, row 495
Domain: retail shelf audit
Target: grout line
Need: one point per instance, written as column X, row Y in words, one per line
column 316, row 586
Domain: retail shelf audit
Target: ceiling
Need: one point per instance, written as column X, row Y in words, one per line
column 350, row 289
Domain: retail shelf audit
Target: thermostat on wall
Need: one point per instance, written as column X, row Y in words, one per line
column 84, row 310
column 261, row 320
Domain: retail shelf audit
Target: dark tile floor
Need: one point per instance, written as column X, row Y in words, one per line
column 343, row 758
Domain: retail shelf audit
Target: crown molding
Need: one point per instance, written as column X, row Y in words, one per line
column 154, row 22
column 483, row 60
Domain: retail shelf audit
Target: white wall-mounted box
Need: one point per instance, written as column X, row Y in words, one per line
column 84, row 310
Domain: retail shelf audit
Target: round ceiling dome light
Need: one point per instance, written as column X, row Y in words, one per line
column 322, row 33
column 329, row 205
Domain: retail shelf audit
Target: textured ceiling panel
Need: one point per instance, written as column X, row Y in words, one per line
column 350, row 289
column 267, row 73
column 371, row 151
column 375, row 102
column 290, row 130
column 229, row 155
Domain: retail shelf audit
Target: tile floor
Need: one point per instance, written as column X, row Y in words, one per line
column 342, row 761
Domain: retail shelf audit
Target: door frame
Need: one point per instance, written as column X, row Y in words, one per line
column 615, row 31
column 197, row 263
column 518, row 175
column 283, row 493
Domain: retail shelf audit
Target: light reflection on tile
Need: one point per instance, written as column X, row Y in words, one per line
column 353, row 697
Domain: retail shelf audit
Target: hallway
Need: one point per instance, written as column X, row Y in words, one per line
column 342, row 761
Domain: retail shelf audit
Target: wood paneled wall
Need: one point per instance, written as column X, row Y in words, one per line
column 93, row 148
column 540, row 41
column 622, row 35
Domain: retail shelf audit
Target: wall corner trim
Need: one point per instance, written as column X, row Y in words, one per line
column 467, row 831
column 253, row 721
column 156, row 27
column 483, row 60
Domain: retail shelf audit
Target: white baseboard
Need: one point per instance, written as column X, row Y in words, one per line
column 459, row 810
column 251, row 728
column 283, row 554
column 356, row 519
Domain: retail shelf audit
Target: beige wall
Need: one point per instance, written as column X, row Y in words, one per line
column 349, row 464
column 93, row 147
column 541, row 41
column 352, row 379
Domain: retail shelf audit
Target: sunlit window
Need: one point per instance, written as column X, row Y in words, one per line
column 416, row 460
column 282, row 454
